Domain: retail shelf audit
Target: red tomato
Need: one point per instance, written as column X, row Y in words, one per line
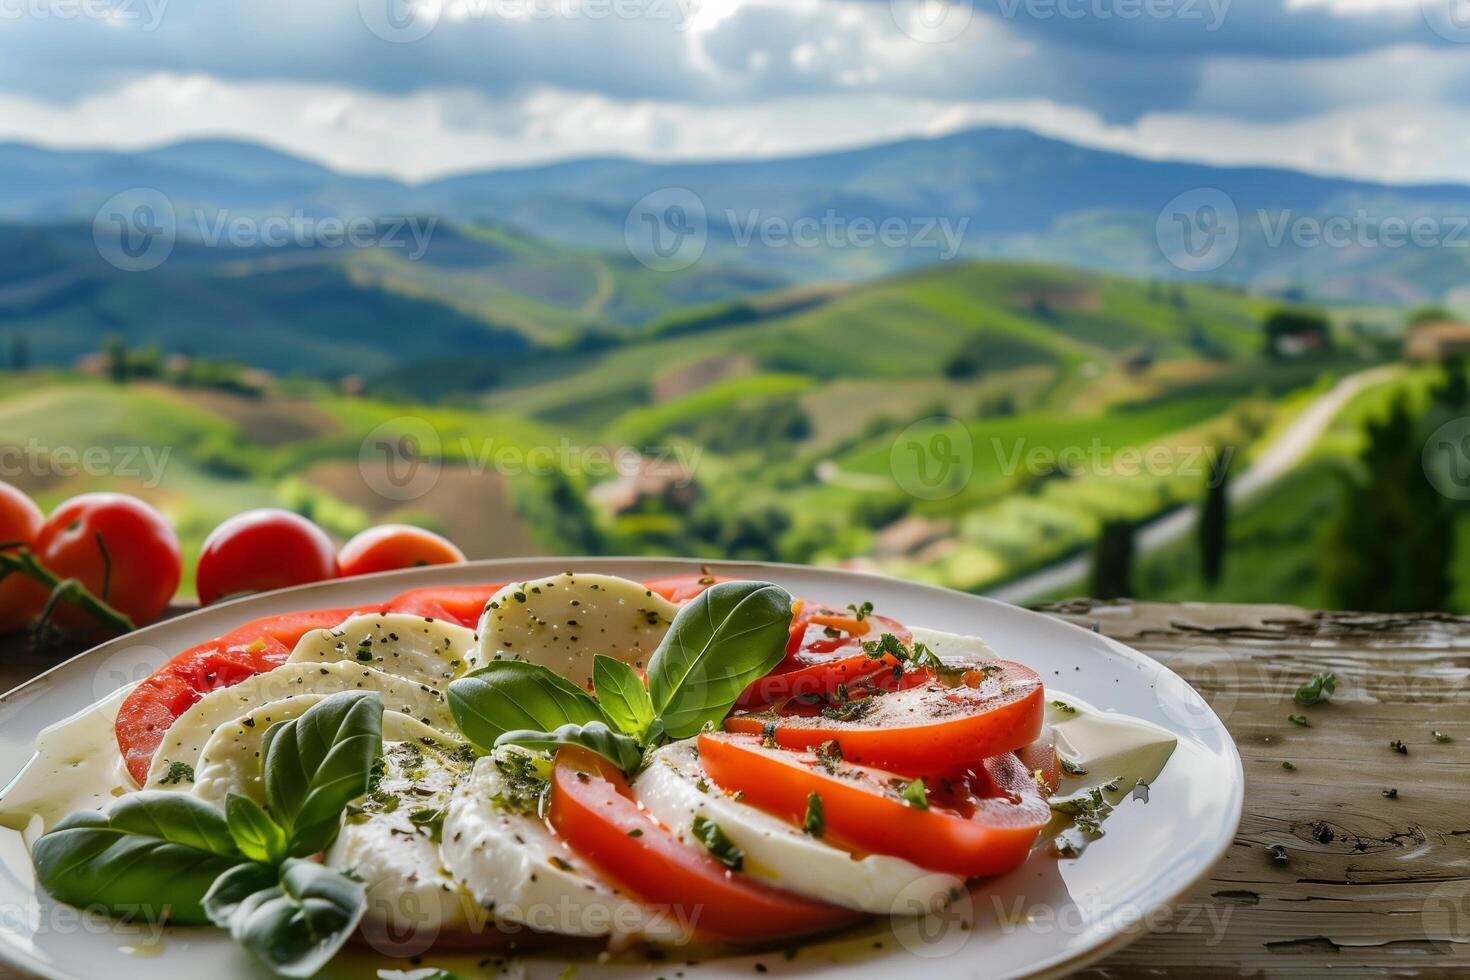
column 394, row 546
column 923, row 726
column 1041, row 757
column 142, row 548
column 826, row 650
column 679, row 589
column 593, row 810
column 146, row 714
column 21, row 597
column 261, row 550
column 461, row 604
column 960, row 831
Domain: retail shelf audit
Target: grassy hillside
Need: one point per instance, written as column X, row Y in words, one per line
column 476, row 292
column 796, row 409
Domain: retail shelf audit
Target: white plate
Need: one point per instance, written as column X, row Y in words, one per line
column 1047, row 918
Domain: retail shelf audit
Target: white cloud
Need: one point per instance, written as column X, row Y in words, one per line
column 436, row 132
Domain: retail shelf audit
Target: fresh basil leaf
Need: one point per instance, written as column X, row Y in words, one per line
column 728, row 636
column 318, row 763
column 720, row 847
column 152, row 851
column 623, row 697
column 620, row 750
column 1319, row 688
column 231, row 889
column 294, row 923
column 258, row 836
column 511, row 695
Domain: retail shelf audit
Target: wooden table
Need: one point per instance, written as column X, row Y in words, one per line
column 1370, row 885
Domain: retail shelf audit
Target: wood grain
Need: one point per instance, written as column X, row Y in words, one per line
column 1371, row 885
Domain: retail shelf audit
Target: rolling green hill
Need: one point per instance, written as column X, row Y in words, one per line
column 476, row 291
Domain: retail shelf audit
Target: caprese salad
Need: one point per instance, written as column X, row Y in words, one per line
column 579, row 761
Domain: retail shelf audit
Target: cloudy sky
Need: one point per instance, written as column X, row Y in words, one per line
column 421, row 88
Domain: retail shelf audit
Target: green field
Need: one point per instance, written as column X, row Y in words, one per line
column 799, row 411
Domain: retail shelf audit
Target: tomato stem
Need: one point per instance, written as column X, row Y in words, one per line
column 106, row 565
column 24, row 562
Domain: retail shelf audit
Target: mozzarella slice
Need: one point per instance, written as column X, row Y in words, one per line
column 390, row 841
column 953, row 646
column 562, row 621
column 424, row 651
column 188, row 734
column 675, row 790
column 231, row 760
column 509, row 860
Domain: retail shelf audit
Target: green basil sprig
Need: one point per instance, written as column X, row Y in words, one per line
column 153, row 854
column 730, row 635
column 623, row 751
column 294, row 920
column 508, row 695
column 240, row 869
column 316, row 764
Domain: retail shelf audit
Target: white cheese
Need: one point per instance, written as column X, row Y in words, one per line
column 188, row 734
column 675, row 790
column 417, row 649
column 562, row 621
column 511, row 862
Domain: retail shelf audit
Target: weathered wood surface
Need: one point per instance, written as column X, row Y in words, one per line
column 1371, row 885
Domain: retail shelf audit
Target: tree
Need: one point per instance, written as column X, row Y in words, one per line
column 1389, row 550
column 1112, row 561
column 1427, row 314
column 1214, row 520
column 1306, row 326
column 115, row 350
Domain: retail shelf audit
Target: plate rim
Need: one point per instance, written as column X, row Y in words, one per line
column 1119, row 939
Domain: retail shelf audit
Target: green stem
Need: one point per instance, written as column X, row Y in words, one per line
column 25, row 562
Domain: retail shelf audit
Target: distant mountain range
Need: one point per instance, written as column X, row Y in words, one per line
column 988, row 192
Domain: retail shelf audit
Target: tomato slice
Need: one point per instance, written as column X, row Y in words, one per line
column 1041, row 757
column 461, row 604
column 679, row 589
column 924, row 725
column 826, row 650
column 594, row 811
column 984, row 824
column 146, row 714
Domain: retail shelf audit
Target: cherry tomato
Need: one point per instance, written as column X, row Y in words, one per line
column 921, row 725
column 145, row 715
column 261, row 550
column 143, row 552
column 21, row 597
column 826, row 649
column 394, row 546
column 982, row 825
column 593, row 810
